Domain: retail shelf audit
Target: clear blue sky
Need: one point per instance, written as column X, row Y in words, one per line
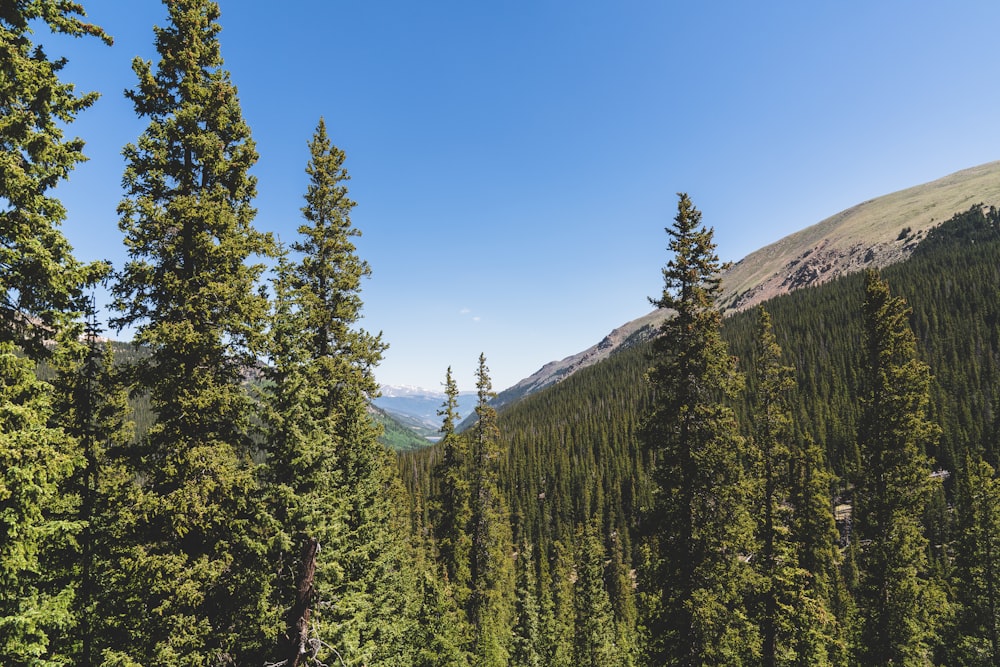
column 515, row 162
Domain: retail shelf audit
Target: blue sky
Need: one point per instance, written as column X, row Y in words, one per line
column 515, row 163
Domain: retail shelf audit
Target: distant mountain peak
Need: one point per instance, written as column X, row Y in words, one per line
column 417, row 408
column 398, row 391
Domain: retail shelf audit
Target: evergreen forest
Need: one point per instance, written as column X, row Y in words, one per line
column 811, row 482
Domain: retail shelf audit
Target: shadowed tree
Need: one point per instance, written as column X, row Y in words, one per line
column 899, row 598
column 91, row 405
column 977, row 565
column 697, row 579
column 594, row 644
column 796, row 558
column 492, row 574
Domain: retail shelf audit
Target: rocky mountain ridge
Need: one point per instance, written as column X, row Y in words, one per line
column 875, row 233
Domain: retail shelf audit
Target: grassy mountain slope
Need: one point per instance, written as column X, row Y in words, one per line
column 868, row 234
column 572, row 453
column 398, row 436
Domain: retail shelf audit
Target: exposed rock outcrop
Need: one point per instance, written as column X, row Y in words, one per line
column 875, row 233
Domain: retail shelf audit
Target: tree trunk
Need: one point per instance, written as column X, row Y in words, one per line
column 298, row 615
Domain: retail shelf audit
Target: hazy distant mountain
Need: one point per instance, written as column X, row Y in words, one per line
column 396, row 435
column 875, row 233
column 417, row 408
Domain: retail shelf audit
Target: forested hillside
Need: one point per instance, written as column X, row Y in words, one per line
column 574, row 457
column 811, row 483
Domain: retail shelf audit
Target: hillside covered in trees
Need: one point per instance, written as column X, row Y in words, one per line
column 575, row 456
column 808, row 483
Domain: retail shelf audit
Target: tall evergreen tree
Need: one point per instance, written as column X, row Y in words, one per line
column 440, row 632
column 375, row 600
column 899, row 599
column 528, row 649
column 621, row 585
column 190, row 289
column 796, row 557
column 594, row 644
column 698, row 578
column 41, row 287
column 776, row 560
column 91, row 405
column 40, row 281
column 340, row 486
column 558, row 608
column 34, row 460
column 301, row 473
column 976, row 640
column 492, row 572
column 452, row 509
column 823, row 614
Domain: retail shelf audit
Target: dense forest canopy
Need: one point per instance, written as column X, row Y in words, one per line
column 574, row 456
column 809, row 483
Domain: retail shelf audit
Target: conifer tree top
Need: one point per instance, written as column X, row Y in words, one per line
column 690, row 278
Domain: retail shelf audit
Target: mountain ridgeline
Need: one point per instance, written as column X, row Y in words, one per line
column 573, row 457
column 810, row 484
column 874, row 234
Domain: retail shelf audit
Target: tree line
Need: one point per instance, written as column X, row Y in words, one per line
column 252, row 521
column 783, row 487
column 849, row 484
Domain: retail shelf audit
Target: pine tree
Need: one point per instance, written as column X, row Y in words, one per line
column 621, row 585
column 698, row 577
column 796, row 560
column 976, row 640
column 452, row 508
column 594, row 644
column 340, row 483
column 301, row 473
column 40, row 282
column 41, row 286
column 776, row 560
column 34, row 460
column 559, row 609
column 527, row 644
column 900, row 602
column 440, row 628
column 329, row 278
column 91, row 406
column 492, row 572
column 198, row 585
column 823, row 614
column 374, row 602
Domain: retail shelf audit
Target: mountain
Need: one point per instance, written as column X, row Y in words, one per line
column 875, row 233
column 573, row 455
column 396, row 435
column 632, row 332
column 417, row 408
